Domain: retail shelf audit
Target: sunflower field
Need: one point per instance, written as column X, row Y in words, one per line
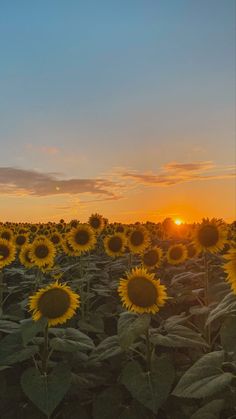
column 104, row 320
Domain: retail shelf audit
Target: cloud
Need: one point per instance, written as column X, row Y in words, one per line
column 174, row 173
column 49, row 150
column 189, row 167
column 33, row 183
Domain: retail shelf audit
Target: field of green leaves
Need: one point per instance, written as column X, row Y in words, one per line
column 104, row 321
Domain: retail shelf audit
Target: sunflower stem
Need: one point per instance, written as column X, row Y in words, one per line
column 45, row 351
column 82, row 288
column 148, row 350
column 206, row 268
column 130, row 260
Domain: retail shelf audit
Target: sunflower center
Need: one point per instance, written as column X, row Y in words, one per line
column 55, row 239
column 20, row 240
column 95, row 222
column 82, row 237
column 120, row 229
column 41, row 251
column 176, row 253
column 136, row 238
column 54, row 303
column 4, row 252
column 142, row 292
column 150, row 258
column 208, row 236
column 5, row 235
column 115, row 244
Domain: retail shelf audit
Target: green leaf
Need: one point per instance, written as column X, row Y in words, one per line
column 149, row 388
column 12, row 349
column 204, row 378
column 228, row 334
column 20, row 355
column 225, row 307
column 211, row 410
column 130, row 327
column 7, row 326
column 46, row 391
column 177, row 336
column 108, row 348
column 30, row 328
column 70, row 340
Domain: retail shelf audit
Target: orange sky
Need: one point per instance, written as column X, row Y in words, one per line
column 123, row 109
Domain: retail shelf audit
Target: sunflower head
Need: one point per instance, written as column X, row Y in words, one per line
column 7, row 253
column 115, row 245
column 6, row 234
column 24, row 256
column 21, row 239
column 81, row 238
column 96, row 221
column 120, row 228
column 141, row 293
column 42, row 252
column 138, row 239
column 56, row 302
column 177, row 254
column 210, row 235
column 152, row 257
column 192, row 251
column 55, row 238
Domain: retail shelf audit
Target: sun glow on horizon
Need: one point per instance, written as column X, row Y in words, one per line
column 178, row 222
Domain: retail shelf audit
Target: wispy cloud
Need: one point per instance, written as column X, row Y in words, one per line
column 189, row 167
column 174, row 173
column 29, row 182
column 20, row 182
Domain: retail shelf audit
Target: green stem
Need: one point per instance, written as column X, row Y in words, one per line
column 82, row 288
column 206, row 268
column 130, row 260
column 45, row 351
column 148, row 351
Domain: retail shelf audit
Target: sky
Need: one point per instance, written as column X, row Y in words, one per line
column 122, row 108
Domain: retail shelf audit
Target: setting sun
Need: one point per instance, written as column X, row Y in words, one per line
column 178, row 222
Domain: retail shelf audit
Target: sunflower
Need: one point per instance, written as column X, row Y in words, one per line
column 7, row 252
column 33, row 228
column 141, row 293
column 192, row 251
column 96, row 221
column 42, row 252
column 56, row 302
column 152, row 257
column 6, row 234
column 68, row 249
column 21, row 239
column 115, row 245
column 81, row 238
column 176, row 254
column 138, row 239
column 120, row 228
column 230, row 268
column 24, row 256
column 55, row 238
column 210, row 235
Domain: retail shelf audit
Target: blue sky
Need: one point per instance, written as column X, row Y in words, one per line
column 91, row 90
